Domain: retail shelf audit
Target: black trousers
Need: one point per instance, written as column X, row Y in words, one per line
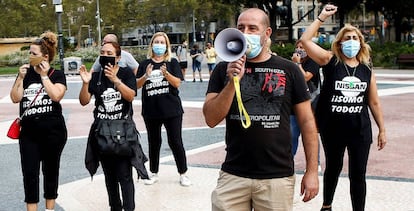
column 41, row 143
column 118, row 172
column 173, row 127
column 358, row 152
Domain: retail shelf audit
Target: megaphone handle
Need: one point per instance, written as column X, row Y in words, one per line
column 242, row 110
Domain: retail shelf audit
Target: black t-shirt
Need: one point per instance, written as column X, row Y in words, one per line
column 194, row 51
column 269, row 90
column 43, row 106
column 109, row 103
column 342, row 111
column 310, row 66
column 159, row 98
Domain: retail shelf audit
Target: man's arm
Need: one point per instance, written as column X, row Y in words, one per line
column 130, row 61
column 217, row 105
column 306, row 121
column 96, row 67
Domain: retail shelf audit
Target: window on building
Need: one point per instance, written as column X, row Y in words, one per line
column 301, row 12
column 311, row 16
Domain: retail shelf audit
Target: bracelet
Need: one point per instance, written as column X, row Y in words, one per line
column 298, row 63
column 319, row 19
column 146, row 76
column 44, row 78
column 166, row 73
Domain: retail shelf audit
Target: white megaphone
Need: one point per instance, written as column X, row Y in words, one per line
column 230, row 44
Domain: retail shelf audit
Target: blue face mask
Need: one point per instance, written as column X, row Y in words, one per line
column 254, row 47
column 159, row 49
column 350, row 48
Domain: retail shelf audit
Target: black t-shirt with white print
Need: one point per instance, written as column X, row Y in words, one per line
column 109, row 103
column 269, row 90
column 43, row 106
column 342, row 110
column 159, row 98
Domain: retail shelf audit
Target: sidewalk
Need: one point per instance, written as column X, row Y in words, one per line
column 168, row 195
column 390, row 183
column 386, row 187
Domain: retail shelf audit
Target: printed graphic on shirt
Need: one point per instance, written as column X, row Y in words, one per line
column 349, row 102
column 262, row 91
column 156, row 85
column 113, row 106
column 41, row 105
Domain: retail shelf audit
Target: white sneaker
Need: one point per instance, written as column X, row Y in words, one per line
column 152, row 179
column 185, row 181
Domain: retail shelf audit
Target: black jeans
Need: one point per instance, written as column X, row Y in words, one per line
column 173, row 127
column 118, row 172
column 41, row 141
column 358, row 152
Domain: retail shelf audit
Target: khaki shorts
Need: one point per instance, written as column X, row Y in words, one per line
column 243, row 194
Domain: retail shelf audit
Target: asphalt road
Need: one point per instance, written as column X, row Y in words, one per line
column 72, row 165
column 393, row 89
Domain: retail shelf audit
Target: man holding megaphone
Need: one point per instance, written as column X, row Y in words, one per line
column 266, row 89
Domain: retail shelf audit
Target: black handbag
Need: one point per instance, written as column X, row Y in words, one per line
column 116, row 137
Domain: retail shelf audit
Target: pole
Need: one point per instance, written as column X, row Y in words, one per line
column 59, row 10
column 70, row 36
column 363, row 15
column 98, row 17
column 194, row 33
column 382, row 26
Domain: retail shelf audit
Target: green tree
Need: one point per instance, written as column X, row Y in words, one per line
column 395, row 13
column 20, row 18
column 154, row 12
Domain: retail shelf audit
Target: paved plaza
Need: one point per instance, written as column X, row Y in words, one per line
column 390, row 175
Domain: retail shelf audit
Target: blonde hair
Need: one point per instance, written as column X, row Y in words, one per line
column 363, row 55
column 167, row 54
column 48, row 44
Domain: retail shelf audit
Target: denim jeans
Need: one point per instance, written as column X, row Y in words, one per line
column 295, row 131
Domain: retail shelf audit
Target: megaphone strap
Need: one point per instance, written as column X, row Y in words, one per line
column 242, row 110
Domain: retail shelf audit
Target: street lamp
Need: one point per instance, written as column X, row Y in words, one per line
column 98, row 17
column 89, row 40
column 59, row 11
column 363, row 14
column 202, row 31
column 194, row 31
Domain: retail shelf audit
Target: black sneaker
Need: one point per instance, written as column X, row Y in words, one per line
column 194, row 80
column 201, row 80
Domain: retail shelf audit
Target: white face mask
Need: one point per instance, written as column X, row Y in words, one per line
column 254, row 45
column 350, row 48
column 159, row 49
